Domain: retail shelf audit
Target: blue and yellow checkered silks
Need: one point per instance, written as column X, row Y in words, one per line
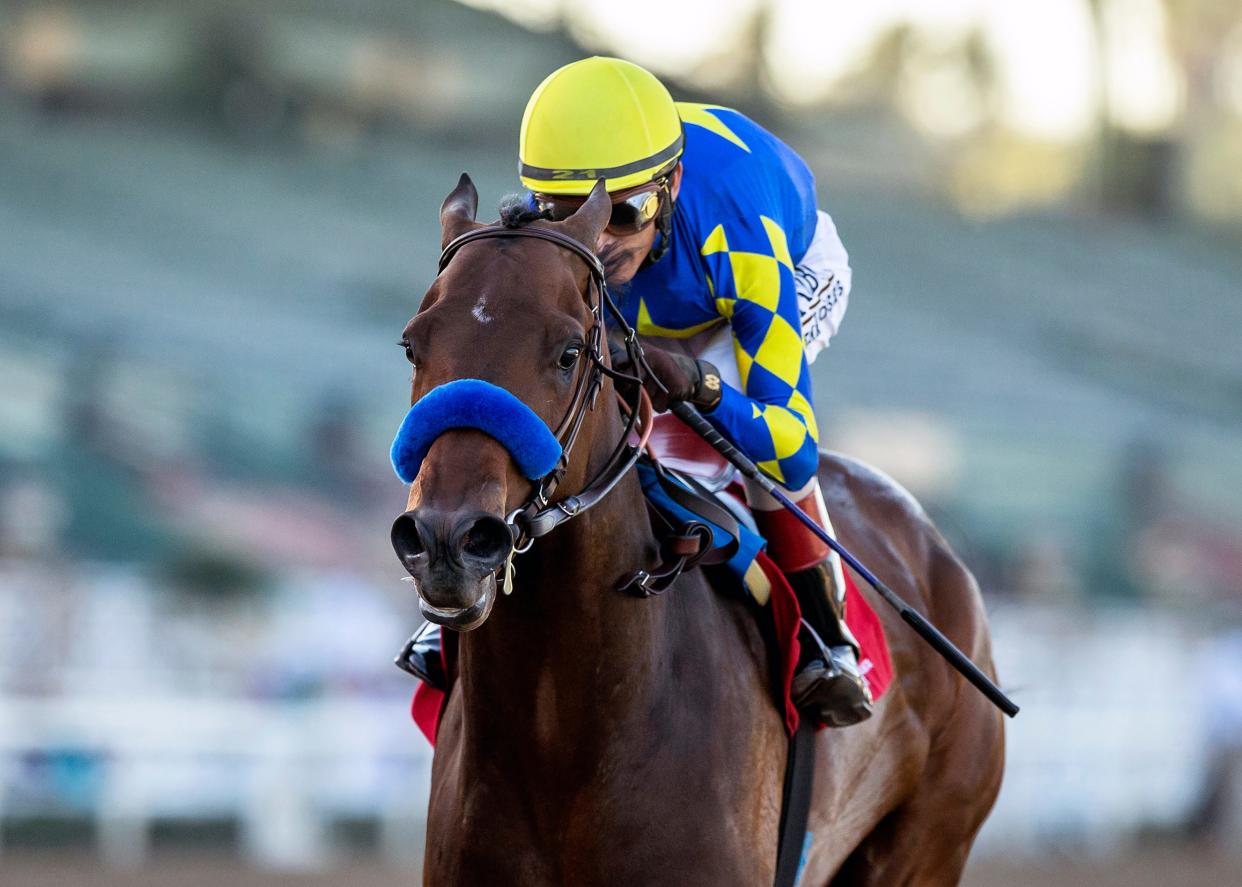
column 745, row 216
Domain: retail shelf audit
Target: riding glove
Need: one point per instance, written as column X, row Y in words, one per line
column 678, row 377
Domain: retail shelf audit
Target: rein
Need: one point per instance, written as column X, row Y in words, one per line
column 538, row 516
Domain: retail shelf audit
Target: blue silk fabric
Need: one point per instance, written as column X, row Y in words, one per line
column 473, row 403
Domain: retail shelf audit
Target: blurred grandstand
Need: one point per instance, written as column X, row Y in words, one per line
column 217, row 217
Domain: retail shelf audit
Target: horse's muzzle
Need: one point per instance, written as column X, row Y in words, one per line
column 453, row 559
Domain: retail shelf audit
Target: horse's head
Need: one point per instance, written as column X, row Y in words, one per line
column 511, row 312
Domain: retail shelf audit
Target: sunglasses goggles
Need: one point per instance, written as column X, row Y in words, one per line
column 632, row 210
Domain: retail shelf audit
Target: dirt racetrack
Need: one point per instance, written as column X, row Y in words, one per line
column 18, row 869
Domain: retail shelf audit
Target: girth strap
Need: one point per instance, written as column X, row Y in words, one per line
column 795, row 840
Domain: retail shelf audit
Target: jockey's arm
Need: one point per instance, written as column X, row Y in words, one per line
column 771, row 418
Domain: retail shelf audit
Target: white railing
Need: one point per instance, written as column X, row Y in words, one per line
column 1112, row 733
column 284, row 771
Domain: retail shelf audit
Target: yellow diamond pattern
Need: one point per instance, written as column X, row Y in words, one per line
column 715, row 242
column 787, row 432
column 799, row 404
column 648, row 327
column 772, row 469
column 757, row 281
column 780, row 245
column 744, row 362
column 781, row 351
column 757, row 278
column 701, row 115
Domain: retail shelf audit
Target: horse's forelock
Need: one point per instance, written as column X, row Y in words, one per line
column 517, row 210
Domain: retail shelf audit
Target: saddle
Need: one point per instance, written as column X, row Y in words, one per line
column 709, row 487
column 686, row 479
column 679, row 448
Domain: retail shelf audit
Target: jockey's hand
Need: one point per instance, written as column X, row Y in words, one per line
column 678, row 377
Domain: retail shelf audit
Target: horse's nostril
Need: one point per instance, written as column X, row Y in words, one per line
column 487, row 539
column 406, row 540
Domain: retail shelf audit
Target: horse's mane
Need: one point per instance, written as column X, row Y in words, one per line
column 520, row 209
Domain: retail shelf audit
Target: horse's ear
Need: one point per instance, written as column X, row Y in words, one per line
column 588, row 222
column 457, row 211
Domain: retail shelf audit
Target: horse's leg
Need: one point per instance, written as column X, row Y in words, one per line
column 911, row 847
column 925, row 842
column 907, row 816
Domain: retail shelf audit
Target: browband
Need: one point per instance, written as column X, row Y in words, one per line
column 575, row 246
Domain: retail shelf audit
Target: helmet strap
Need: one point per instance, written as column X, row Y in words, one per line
column 663, row 227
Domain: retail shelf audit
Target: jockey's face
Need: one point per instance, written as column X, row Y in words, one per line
column 624, row 255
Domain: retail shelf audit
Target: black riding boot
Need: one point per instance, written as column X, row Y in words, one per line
column 421, row 656
column 828, row 684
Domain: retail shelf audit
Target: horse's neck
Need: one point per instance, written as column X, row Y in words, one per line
column 567, row 651
column 575, row 697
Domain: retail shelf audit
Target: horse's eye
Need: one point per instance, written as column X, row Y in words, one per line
column 409, row 351
column 569, row 359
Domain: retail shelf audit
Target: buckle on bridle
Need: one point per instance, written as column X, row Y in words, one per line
column 519, row 546
column 639, row 584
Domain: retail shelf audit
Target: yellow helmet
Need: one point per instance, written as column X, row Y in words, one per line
column 599, row 118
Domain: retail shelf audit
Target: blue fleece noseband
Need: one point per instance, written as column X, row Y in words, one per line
column 473, row 403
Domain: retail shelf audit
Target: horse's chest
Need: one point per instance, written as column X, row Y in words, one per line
column 696, row 859
column 650, row 832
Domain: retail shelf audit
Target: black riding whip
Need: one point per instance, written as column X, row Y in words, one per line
column 941, row 644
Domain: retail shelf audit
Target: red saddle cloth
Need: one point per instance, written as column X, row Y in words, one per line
column 679, row 448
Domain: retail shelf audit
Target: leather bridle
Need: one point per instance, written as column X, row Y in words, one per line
column 538, row 516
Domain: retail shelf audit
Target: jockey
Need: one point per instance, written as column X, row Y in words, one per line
column 735, row 281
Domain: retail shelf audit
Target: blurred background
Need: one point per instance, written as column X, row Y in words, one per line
column 215, row 219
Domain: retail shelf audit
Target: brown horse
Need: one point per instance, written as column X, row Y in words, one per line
column 596, row 738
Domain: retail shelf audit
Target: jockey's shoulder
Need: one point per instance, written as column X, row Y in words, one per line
column 733, row 144
column 725, row 132
column 735, row 169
